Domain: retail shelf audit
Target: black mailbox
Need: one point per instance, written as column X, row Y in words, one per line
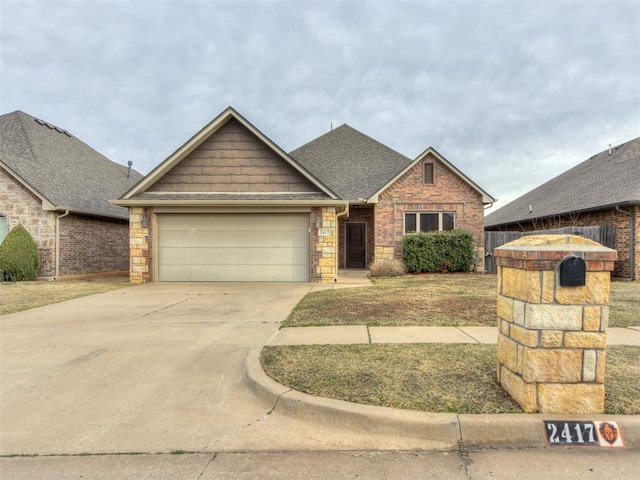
column 573, row 272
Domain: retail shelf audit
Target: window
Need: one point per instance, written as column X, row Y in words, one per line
column 3, row 228
column 428, row 222
column 428, row 173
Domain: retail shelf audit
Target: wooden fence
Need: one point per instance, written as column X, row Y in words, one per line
column 601, row 234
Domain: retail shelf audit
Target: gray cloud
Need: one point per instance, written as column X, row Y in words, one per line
column 513, row 93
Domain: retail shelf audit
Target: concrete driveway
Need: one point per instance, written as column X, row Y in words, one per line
column 151, row 368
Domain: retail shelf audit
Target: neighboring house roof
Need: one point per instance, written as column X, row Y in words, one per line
column 359, row 168
column 65, row 173
column 603, row 181
column 139, row 194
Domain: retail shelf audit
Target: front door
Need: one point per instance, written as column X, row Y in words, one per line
column 356, row 245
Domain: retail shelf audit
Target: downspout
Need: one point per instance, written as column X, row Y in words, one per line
column 338, row 215
column 632, row 225
column 58, row 243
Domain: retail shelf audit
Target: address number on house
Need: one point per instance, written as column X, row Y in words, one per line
column 325, row 232
column 583, row 433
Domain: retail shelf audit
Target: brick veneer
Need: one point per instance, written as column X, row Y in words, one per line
column 87, row 244
column 610, row 216
column 448, row 193
column 93, row 245
column 552, row 338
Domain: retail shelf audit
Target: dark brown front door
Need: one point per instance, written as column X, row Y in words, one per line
column 356, row 245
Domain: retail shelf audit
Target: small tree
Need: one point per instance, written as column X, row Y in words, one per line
column 19, row 258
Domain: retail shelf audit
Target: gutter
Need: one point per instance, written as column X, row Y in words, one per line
column 631, row 241
column 58, row 243
column 338, row 215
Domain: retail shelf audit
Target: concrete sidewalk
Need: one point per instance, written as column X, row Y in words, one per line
column 361, row 334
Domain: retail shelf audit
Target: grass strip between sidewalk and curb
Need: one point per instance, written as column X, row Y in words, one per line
column 439, row 378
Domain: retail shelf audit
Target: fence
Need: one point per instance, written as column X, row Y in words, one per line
column 601, row 234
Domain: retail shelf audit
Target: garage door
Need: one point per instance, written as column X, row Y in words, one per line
column 233, row 248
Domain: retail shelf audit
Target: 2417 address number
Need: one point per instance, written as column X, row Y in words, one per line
column 583, row 433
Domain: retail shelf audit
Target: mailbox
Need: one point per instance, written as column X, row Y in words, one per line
column 573, row 272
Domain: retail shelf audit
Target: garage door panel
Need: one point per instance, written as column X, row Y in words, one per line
column 230, row 256
column 234, row 248
column 225, row 238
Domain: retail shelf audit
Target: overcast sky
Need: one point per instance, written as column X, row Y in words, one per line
column 511, row 92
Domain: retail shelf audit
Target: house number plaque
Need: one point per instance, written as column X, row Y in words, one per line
column 583, row 433
column 324, row 232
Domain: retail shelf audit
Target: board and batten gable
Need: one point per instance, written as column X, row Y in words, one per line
column 232, row 160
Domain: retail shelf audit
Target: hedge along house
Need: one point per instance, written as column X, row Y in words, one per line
column 603, row 190
column 59, row 188
column 230, row 205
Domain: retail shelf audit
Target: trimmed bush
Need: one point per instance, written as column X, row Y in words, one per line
column 19, row 258
column 450, row 251
column 387, row 268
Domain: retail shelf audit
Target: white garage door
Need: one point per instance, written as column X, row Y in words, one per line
column 233, row 248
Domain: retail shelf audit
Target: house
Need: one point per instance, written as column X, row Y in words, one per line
column 231, row 205
column 603, row 190
column 58, row 188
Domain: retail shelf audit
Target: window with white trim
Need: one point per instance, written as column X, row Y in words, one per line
column 429, row 221
column 3, row 227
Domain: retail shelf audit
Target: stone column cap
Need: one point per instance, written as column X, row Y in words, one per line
column 543, row 252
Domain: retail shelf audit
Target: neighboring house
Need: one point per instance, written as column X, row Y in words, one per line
column 603, row 190
column 230, row 205
column 58, row 189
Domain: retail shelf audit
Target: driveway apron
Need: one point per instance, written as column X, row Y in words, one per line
column 152, row 368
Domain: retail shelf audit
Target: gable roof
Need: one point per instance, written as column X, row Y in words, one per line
column 63, row 172
column 603, row 181
column 352, row 164
column 359, row 168
column 139, row 194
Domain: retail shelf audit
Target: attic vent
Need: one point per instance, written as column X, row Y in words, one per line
column 52, row 127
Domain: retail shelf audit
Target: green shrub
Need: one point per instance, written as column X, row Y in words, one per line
column 450, row 251
column 19, row 258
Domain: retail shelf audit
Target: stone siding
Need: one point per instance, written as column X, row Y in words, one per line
column 21, row 207
column 448, row 193
column 552, row 338
column 324, row 238
column 140, row 244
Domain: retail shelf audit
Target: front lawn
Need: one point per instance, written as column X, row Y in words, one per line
column 431, row 300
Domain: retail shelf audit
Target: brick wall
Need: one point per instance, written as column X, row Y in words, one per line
column 620, row 222
column 93, row 245
column 448, row 193
column 20, row 206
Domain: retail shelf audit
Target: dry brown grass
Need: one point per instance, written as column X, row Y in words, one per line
column 429, row 377
column 431, row 300
column 15, row 297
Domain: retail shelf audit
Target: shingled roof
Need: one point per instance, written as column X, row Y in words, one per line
column 350, row 163
column 62, row 171
column 603, row 181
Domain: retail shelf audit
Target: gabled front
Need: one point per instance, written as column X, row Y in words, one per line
column 230, row 205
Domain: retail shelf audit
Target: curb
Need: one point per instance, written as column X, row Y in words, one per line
column 420, row 430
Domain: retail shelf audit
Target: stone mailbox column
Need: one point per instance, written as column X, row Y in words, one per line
column 552, row 338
